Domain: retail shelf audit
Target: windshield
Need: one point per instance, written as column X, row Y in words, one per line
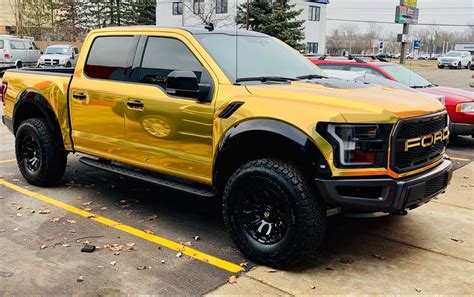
column 453, row 54
column 406, row 76
column 57, row 51
column 258, row 56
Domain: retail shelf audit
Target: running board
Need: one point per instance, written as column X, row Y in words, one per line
column 160, row 180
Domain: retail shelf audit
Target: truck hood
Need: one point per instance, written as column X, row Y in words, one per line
column 55, row 57
column 459, row 94
column 356, row 102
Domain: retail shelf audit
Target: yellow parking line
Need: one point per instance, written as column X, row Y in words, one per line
column 7, row 161
column 185, row 250
column 459, row 159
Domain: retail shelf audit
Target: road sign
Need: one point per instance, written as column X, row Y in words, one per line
column 407, row 15
column 411, row 3
column 416, row 44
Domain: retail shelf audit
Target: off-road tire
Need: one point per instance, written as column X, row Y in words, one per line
column 52, row 156
column 308, row 222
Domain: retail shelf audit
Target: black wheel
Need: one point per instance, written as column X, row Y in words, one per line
column 468, row 65
column 68, row 65
column 441, row 66
column 19, row 65
column 39, row 153
column 459, row 65
column 273, row 213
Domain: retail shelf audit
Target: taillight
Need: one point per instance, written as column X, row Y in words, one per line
column 3, row 92
column 7, row 56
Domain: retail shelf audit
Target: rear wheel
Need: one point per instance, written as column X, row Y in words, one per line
column 459, row 65
column 468, row 65
column 39, row 153
column 273, row 213
column 68, row 65
column 19, row 65
column 441, row 66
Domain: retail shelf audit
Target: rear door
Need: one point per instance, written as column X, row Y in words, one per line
column 98, row 95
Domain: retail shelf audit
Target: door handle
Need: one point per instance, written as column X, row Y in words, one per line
column 79, row 96
column 135, row 104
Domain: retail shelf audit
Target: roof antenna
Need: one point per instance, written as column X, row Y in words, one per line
column 209, row 27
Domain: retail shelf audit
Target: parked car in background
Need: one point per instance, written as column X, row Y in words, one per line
column 377, row 80
column 17, row 52
column 59, row 55
column 459, row 103
column 455, row 59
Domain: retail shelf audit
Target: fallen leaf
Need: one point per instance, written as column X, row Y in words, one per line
column 347, row 260
column 130, row 247
column 272, row 271
column 19, row 214
column 87, row 209
column 163, row 261
column 123, row 201
column 86, row 203
column 71, row 221
column 92, row 216
column 113, row 263
column 19, row 207
column 116, row 253
column 80, row 279
column 33, row 211
column 243, row 264
column 152, row 217
column 43, row 246
column 418, row 290
column 141, row 267
column 2, row 230
column 103, row 208
column 457, row 240
column 232, row 279
column 115, row 247
column 66, row 245
column 16, row 229
column 329, row 268
column 44, row 211
column 187, row 243
column 196, row 238
column 55, row 220
column 125, row 205
column 179, row 255
column 312, row 287
column 380, row 257
column 148, row 231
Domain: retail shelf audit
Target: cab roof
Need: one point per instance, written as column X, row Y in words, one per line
column 191, row 30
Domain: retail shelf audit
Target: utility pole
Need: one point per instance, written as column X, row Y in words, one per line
column 406, row 29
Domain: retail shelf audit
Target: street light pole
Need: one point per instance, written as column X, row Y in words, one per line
column 406, row 29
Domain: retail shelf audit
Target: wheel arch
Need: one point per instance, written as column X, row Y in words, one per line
column 31, row 104
column 263, row 138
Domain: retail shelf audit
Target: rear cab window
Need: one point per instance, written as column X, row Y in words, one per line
column 110, row 57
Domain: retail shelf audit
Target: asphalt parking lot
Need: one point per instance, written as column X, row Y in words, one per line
column 154, row 241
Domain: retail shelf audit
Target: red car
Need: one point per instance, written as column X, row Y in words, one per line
column 459, row 103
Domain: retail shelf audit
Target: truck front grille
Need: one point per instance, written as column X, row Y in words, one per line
column 417, row 157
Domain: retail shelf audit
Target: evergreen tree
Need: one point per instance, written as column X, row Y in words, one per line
column 284, row 24
column 280, row 21
column 37, row 18
column 143, row 12
column 252, row 15
column 70, row 21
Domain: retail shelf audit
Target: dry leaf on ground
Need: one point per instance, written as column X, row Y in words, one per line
column 232, row 279
column 380, row 257
column 113, row 263
column 148, row 231
column 44, row 211
column 152, row 217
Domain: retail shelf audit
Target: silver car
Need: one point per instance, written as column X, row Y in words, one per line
column 17, row 52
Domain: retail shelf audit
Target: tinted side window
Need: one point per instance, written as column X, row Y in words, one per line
column 2, row 44
column 164, row 55
column 17, row 45
column 110, row 58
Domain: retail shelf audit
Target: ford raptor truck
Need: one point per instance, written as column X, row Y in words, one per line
column 235, row 115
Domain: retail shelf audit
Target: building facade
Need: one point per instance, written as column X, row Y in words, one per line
column 192, row 13
column 7, row 16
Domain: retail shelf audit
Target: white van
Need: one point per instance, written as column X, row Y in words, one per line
column 17, row 52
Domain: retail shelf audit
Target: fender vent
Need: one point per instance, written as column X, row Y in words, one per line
column 230, row 109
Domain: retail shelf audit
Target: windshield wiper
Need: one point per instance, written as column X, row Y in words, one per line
column 311, row 76
column 422, row 87
column 264, row 78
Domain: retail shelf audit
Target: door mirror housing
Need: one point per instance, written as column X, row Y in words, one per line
column 186, row 84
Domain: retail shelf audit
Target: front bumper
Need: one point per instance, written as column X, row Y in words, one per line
column 462, row 129
column 449, row 64
column 385, row 194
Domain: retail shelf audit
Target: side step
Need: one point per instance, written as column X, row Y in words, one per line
column 143, row 175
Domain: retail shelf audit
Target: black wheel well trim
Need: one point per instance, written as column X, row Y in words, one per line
column 278, row 128
column 33, row 97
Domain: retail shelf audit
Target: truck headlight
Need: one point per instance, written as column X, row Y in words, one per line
column 467, row 107
column 357, row 145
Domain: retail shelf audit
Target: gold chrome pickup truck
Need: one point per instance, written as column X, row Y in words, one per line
column 235, row 115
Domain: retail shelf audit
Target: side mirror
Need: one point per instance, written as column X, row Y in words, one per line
column 185, row 84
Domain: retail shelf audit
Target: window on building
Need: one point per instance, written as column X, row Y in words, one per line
column 177, row 8
column 164, row 55
column 312, row 47
column 314, row 13
column 221, row 6
column 109, row 58
column 198, row 6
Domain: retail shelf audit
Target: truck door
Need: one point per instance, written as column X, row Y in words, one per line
column 98, row 95
column 166, row 133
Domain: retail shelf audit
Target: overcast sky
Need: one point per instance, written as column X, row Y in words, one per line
column 431, row 11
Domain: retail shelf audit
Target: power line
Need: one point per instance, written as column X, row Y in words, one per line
column 393, row 23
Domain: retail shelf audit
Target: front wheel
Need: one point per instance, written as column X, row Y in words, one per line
column 459, row 65
column 273, row 213
column 441, row 66
column 468, row 65
column 39, row 153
